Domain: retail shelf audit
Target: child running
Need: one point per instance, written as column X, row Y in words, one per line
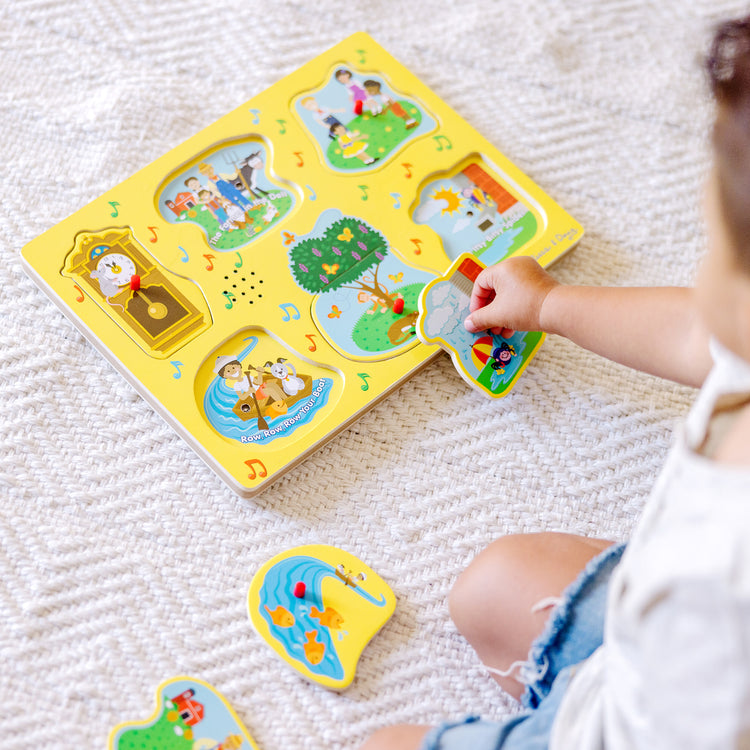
column 645, row 647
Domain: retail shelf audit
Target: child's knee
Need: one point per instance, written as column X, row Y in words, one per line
column 488, row 578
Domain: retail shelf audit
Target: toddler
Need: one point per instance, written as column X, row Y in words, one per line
column 649, row 646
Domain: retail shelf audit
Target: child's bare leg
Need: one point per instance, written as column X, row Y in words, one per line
column 492, row 601
column 398, row 737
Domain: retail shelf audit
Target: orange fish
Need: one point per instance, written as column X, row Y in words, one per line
column 314, row 650
column 328, row 618
column 281, row 617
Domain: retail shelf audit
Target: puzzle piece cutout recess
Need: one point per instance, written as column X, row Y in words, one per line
column 318, row 607
column 189, row 715
column 488, row 362
column 258, row 284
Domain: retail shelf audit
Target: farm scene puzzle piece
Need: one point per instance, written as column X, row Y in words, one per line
column 259, row 284
column 317, row 607
column 189, row 715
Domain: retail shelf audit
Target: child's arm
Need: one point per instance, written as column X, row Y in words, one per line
column 657, row 330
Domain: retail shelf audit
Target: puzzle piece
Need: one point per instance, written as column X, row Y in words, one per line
column 323, row 632
column 488, row 362
column 189, row 715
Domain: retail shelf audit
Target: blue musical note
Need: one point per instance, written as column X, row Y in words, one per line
column 255, row 113
column 312, row 193
column 177, row 375
column 185, row 257
column 396, row 197
column 286, row 307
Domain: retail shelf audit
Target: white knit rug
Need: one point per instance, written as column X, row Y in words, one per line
column 124, row 560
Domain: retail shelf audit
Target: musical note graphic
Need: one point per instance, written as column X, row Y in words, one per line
column 407, row 167
column 282, row 129
column 176, row 364
column 251, row 465
column 365, row 385
column 286, row 307
column 313, row 196
column 229, row 304
column 115, row 213
column 362, row 58
column 256, row 116
column 185, row 257
column 238, row 263
column 153, row 238
column 80, row 293
column 210, row 259
column 417, row 244
column 313, row 346
column 396, row 197
column 439, row 140
column 301, row 161
column 364, row 189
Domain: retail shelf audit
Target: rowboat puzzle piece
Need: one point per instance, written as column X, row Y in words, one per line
column 490, row 363
column 189, row 715
column 318, row 606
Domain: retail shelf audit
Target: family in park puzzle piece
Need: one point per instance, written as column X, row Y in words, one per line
column 270, row 279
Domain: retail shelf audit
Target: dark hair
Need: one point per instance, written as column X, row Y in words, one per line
column 728, row 66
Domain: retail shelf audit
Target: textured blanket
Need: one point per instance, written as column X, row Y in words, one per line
column 124, row 559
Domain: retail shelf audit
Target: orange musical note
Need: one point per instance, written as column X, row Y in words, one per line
column 263, row 472
column 313, row 346
column 407, row 167
column 209, row 258
column 417, row 244
column 80, row 293
column 301, row 161
column 153, row 232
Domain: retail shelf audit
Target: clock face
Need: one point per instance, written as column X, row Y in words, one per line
column 116, row 268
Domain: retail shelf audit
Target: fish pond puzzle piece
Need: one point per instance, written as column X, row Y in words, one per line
column 490, row 363
column 318, row 606
column 258, row 284
column 189, row 715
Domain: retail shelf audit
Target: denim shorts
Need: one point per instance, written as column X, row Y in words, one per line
column 573, row 632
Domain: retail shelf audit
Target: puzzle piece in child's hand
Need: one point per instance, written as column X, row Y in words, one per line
column 189, row 715
column 486, row 361
column 322, row 633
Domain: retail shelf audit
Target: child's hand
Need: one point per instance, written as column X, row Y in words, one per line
column 509, row 296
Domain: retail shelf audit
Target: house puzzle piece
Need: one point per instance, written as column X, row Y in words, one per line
column 189, row 715
column 488, row 362
column 259, row 283
column 318, row 607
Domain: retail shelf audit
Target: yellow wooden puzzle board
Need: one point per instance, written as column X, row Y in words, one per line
column 299, row 227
